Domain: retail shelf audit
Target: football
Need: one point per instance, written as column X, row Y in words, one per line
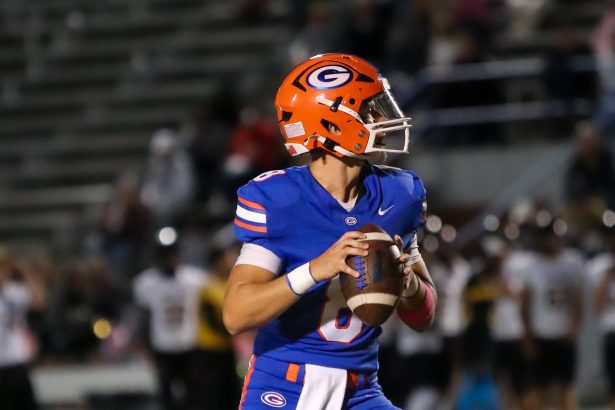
column 373, row 296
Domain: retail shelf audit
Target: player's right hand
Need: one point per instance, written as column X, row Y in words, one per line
column 333, row 260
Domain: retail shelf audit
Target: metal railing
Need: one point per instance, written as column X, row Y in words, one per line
column 532, row 67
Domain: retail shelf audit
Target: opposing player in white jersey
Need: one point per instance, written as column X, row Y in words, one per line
column 20, row 290
column 169, row 293
column 602, row 270
column 552, row 307
column 508, row 331
column 450, row 272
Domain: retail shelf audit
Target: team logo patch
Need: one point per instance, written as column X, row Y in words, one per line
column 350, row 220
column 273, row 399
column 328, row 77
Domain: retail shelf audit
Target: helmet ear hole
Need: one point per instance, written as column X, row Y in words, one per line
column 330, row 127
column 286, row 115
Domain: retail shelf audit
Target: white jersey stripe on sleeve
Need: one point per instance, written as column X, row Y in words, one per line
column 256, row 255
column 251, row 216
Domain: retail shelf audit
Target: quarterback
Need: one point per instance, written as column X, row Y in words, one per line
column 298, row 226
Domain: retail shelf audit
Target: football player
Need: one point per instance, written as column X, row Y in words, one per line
column 551, row 304
column 21, row 290
column 602, row 270
column 298, row 226
column 168, row 295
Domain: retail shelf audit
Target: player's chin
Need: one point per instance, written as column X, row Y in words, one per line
column 377, row 157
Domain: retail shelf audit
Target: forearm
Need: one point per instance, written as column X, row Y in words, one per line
column 250, row 305
column 417, row 304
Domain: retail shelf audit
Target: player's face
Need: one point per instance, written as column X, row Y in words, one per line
column 549, row 243
column 378, row 110
column 168, row 260
column 371, row 115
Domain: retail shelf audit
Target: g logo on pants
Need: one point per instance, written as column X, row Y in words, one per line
column 273, row 399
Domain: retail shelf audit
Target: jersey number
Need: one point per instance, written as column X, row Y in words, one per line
column 557, row 298
column 174, row 315
column 337, row 323
column 269, row 174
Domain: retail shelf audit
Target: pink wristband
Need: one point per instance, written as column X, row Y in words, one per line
column 421, row 314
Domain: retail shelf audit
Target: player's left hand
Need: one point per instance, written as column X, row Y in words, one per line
column 412, row 282
column 404, row 257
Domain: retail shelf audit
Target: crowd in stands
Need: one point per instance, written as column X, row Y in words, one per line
column 488, row 343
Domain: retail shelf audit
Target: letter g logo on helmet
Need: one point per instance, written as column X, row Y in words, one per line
column 328, row 77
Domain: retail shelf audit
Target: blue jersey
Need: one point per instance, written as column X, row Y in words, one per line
column 292, row 215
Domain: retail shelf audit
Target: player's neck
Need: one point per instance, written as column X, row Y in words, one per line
column 339, row 176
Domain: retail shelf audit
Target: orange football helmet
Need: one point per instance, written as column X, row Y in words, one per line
column 340, row 103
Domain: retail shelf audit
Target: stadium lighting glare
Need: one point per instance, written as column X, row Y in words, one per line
column 431, row 243
column 543, row 218
column 560, row 227
column 608, row 218
column 511, row 231
column 491, row 223
column 449, row 233
column 434, row 224
column 102, row 329
column 522, row 211
column 167, row 236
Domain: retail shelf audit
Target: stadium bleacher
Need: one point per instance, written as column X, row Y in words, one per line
column 85, row 84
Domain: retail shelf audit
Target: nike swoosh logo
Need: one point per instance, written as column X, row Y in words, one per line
column 382, row 212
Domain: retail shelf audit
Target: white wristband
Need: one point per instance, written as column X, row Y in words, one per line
column 300, row 280
column 413, row 251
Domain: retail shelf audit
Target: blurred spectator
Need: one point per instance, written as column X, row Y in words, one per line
column 525, row 16
column 20, row 290
column 459, row 46
column 478, row 347
column 254, row 148
column 602, row 268
column 447, row 37
column 507, row 328
column 562, row 83
column 218, row 385
column 123, row 224
column 210, row 130
column 604, row 49
column 551, row 308
column 168, row 294
column 425, row 388
column 320, row 34
column 430, row 351
column 451, row 273
column 368, row 24
column 168, row 183
column 591, row 176
column 252, row 11
column 408, row 38
column 85, row 294
column 474, row 15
